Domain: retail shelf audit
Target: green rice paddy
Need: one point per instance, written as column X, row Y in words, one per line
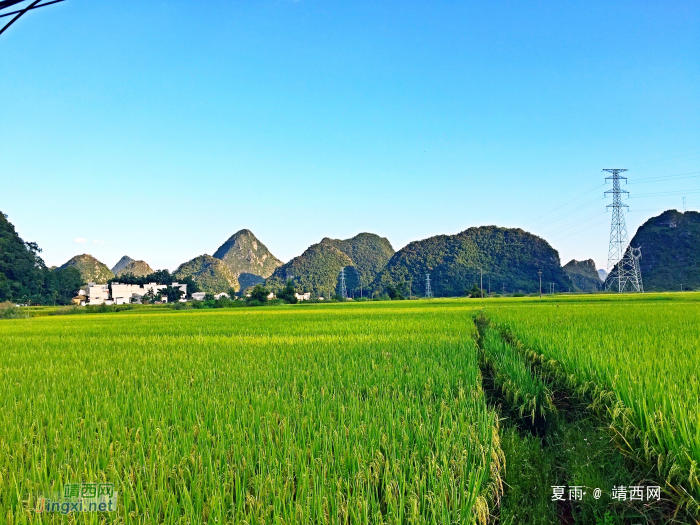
column 336, row 413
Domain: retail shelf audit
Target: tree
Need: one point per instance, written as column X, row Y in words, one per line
column 287, row 293
column 65, row 284
column 173, row 294
column 475, row 292
column 398, row 292
column 149, row 297
column 259, row 293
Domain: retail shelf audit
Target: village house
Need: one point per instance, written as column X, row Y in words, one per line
column 124, row 293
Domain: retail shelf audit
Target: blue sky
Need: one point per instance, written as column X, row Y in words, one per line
column 158, row 129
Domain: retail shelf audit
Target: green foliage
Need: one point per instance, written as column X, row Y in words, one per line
column 210, row 274
column 91, row 270
column 369, row 254
column 670, row 255
column 22, row 271
column 398, row 292
column 508, row 256
column 258, row 295
column 287, row 293
column 475, row 292
column 516, row 379
column 317, row 269
column 243, row 253
column 173, row 295
column 135, row 268
column 276, row 415
column 583, row 275
column 9, row 311
column 25, row 278
column 617, row 354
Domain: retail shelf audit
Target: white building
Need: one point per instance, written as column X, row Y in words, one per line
column 198, row 296
column 126, row 293
column 98, row 293
column 222, row 294
column 303, row 296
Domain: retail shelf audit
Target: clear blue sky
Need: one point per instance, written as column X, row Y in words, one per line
column 160, row 128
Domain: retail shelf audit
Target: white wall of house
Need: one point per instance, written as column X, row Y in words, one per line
column 97, row 293
column 124, row 293
column 303, row 296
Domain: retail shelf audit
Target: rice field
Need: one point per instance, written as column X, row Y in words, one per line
column 637, row 360
column 337, row 413
column 314, row 414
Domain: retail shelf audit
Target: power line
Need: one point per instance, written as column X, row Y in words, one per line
column 565, row 204
column 663, row 160
column 19, row 13
column 666, row 193
column 689, row 175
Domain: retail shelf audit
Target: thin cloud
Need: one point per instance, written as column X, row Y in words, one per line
column 97, row 241
column 80, row 240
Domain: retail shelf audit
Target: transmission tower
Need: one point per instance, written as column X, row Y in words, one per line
column 343, row 289
column 428, row 289
column 623, row 260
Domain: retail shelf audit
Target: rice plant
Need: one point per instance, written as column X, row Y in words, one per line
column 637, row 361
column 317, row 414
column 519, row 383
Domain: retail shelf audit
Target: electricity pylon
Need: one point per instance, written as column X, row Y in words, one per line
column 428, row 289
column 343, row 289
column 623, row 260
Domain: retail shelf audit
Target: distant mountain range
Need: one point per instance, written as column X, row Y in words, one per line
column 583, row 275
column 128, row 266
column 317, row 269
column 670, row 245
column 121, row 264
column 240, row 262
column 91, row 270
column 248, row 259
column 211, row 274
column 509, row 259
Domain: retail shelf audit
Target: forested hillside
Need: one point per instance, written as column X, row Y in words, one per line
column 23, row 275
column 135, row 268
column 369, row 254
column 509, row 259
column 583, row 275
column 670, row 246
column 248, row 259
column 91, row 270
column 210, row 274
column 317, row 269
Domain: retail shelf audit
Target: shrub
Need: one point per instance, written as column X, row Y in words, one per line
column 10, row 311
